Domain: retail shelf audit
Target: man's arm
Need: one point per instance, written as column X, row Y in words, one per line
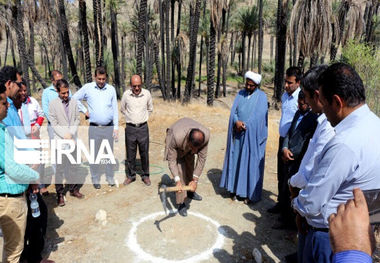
column 172, row 154
column 81, row 95
column 337, row 163
column 115, row 111
column 17, row 173
column 351, row 236
column 201, row 160
column 45, row 104
column 123, row 104
column 150, row 104
column 74, row 127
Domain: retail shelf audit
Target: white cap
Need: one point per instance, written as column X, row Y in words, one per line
column 253, row 76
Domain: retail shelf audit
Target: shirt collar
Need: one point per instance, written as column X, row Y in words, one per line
column 65, row 102
column 132, row 94
column 321, row 118
column 295, row 93
column 351, row 118
column 104, row 88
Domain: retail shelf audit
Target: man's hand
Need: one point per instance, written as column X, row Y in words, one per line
column 193, row 184
column 179, row 185
column 68, row 136
column 350, row 228
column 87, row 115
column 34, row 188
column 293, row 191
column 302, row 225
column 240, row 126
column 115, row 135
column 287, row 155
column 35, row 166
column 35, row 129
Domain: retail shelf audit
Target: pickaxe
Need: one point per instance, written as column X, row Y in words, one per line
column 165, row 189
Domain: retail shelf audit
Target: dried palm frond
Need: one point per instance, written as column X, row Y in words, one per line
column 216, row 12
column 351, row 20
column 311, row 22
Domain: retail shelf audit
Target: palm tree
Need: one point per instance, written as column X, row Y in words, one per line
column 216, row 7
column 86, row 46
column 261, row 36
column 98, row 30
column 282, row 10
column 194, row 26
column 113, row 6
column 141, row 34
column 66, row 42
column 17, row 14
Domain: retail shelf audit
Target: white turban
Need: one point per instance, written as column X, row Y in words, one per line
column 253, row 76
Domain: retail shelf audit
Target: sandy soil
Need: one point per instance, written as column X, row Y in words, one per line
column 231, row 227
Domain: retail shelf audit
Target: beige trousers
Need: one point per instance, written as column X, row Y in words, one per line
column 185, row 169
column 13, row 214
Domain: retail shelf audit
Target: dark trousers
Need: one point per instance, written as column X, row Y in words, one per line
column 35, row 233
column 65, row 170
column 137, row 137
column 98, row 134
column 280, row 172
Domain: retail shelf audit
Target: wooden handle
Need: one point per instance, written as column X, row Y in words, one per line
column 175, row 188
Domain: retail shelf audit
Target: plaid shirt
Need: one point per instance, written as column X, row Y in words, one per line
column 14, row 177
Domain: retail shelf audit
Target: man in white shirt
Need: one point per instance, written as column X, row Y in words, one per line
column 289, row 106
column 136, row 106
column 351, row 159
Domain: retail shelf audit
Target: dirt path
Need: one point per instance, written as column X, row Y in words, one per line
column 216, row 230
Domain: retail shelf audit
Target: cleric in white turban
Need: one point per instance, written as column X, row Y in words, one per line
column 243, row 168
column 255, row 77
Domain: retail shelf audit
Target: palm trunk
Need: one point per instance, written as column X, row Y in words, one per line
column 261, row 37
column 211, row 67
column 98, row 31
column 141, row 36
column 243, row 69
column 193, row 49
column 17, row 14
column 282, row 10
column 168, row 51
column 271, row 48
column 301, row 59
column 86, row 46
column 115, row 49
column 6, row 45
column 249, row 54
column 66, row 42
column 31, row 52
column 157, row 62
column 162, row 6
column 123, row 62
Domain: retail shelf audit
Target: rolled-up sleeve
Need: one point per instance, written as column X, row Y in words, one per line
column 352, row 256
column 337, row 163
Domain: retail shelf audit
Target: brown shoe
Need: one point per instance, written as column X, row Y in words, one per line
column 77, row 194
column 60, row 200
column 129, row 180
column 146, row 180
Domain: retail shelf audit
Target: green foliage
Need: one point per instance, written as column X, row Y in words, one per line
column 366, row 62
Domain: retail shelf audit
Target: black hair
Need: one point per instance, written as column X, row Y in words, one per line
column 309, row 82
column 294, row 71
column 100, row 70
column 196, row 141
column 2, row 88
column 61, row 83
column 8, row 73
column 53, row 73
column 23, row 82
column 301, row 95
column 342, row 80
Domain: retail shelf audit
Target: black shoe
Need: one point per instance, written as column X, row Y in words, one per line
column 182, row 210
column 276, row 209
column 194, row 196
column 111, row 185
column 291, row 258
column 97, row 186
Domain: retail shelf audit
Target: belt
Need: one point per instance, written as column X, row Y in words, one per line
column 11, row 195
column 319, row 229
column 98, row 125
column 136, row 125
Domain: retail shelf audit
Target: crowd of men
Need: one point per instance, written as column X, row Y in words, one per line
column 327, row 148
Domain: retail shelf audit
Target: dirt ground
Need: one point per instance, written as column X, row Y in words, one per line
column 217, row 229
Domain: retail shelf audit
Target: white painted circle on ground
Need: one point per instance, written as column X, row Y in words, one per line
column 131, row 241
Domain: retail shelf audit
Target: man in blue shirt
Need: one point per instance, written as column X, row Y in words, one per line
column 289, row 106
column 14, row 180
column 351, row 159
column 103, row 115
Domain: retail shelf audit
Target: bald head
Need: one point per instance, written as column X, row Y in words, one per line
column 136, row 84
